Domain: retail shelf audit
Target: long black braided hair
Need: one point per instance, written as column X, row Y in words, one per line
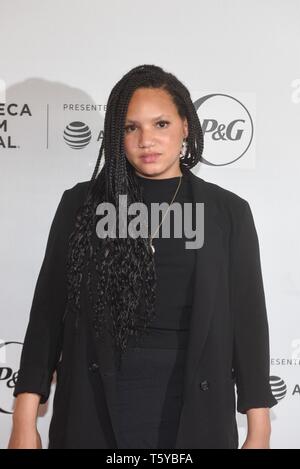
column 120, row 272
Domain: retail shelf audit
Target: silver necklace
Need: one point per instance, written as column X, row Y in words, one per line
column 152, row 236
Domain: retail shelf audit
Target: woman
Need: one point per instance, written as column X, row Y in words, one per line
column 148, row 338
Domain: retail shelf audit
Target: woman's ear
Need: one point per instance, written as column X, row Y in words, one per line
column 185, row 128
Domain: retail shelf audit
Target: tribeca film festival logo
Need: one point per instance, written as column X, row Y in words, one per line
column 10, row 353
column 11, row 110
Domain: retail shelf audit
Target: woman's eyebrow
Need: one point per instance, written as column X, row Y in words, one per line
column 154, row 118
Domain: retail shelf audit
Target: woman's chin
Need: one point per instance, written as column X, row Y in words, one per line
column 149, row 170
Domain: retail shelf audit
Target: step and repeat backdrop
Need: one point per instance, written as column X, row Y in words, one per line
column 240, row 61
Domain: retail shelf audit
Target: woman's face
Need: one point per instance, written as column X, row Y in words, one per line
column 153, row 126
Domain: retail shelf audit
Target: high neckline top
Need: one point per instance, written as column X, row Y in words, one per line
column 167, row 182
column 163, row 190
column 144, row 178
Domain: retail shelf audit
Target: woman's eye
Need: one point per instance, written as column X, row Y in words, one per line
column 128, row 127
column 163, row 122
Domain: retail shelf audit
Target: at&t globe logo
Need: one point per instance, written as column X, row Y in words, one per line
column 77, row 135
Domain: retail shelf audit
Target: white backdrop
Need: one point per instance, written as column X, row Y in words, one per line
column 240, row 61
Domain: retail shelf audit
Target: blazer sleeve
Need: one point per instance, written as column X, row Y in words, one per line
column 251, row 356
column 41, row 348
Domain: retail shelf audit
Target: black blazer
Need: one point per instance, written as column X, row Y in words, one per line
column 228, row 343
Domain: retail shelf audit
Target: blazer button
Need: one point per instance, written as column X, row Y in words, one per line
column 204, row 385
column 93, row 367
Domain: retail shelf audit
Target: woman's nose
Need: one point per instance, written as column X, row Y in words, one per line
column 145, row 138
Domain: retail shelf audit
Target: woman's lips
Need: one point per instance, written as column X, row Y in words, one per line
column 151, row 158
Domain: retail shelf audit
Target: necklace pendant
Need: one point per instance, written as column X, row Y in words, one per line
column 152, row 247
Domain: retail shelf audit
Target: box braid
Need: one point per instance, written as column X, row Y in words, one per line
column 120, row 272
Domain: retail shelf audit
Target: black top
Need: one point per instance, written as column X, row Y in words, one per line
column 174, row 267
column 151, row 377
